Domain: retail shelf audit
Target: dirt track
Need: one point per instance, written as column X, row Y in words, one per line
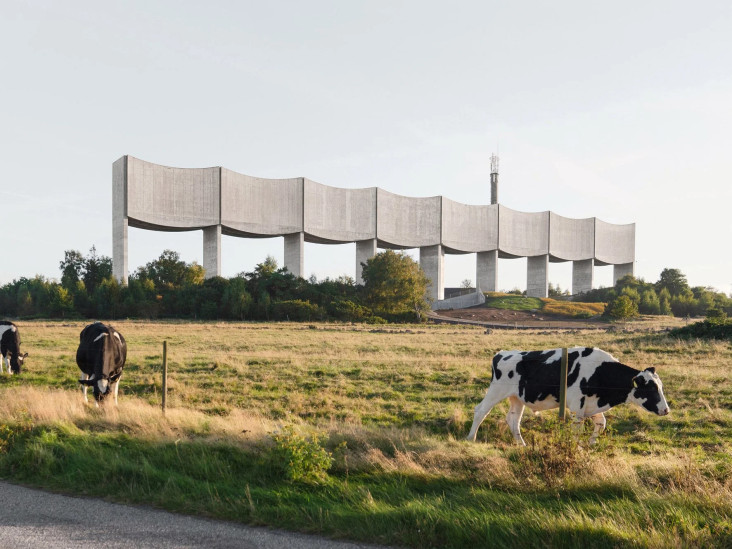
column 501, row 318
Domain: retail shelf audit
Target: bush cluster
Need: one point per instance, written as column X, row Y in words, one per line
column 171, row 288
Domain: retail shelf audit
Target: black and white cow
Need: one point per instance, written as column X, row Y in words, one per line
column 10, row 347
column 596, row 382
column 101, row 356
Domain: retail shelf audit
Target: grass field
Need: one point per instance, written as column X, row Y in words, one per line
column 546, row 305
column 259, row 411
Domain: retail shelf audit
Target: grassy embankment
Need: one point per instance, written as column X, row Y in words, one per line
column 544, row 305
column 392, row 406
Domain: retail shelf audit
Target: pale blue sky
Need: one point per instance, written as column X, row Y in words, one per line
column 617, row 110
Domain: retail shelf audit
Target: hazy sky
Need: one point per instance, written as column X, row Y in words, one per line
column 618, row 110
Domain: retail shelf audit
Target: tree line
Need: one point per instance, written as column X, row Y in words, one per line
column 394, row 290
column 669, row 295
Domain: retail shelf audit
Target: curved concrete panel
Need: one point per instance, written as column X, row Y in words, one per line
column 614, row 244
column 406, row 222
column 252, row 206
column 339, row 215
column 571, row 239
column 467, row 229
column 522, row 234
column 173, row 198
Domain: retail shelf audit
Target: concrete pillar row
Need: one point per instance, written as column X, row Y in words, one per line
column 537, row 283
column 365, row 250
column 212, row 251
column 486, row 275
column 619, row 271
column 295, row 253
column 583, row 276
column 432, row 261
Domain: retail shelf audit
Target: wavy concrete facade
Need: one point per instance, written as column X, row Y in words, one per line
column 222, row 202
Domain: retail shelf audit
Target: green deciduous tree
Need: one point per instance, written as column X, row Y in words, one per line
column 394, row 284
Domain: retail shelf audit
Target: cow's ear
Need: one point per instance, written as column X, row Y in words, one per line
column 25, row 355
column 635, row 381
column 651, row 369
column 115, row 377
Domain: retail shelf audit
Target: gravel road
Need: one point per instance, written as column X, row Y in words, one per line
column 41, row 520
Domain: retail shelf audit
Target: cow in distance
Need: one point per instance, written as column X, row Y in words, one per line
column 101, row 357
column 10, row 348
column 596, row 381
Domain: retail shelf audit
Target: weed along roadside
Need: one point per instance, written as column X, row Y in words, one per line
column 357, row 433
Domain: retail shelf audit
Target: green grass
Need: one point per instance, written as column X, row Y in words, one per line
column 390, row 408
column 513, row 302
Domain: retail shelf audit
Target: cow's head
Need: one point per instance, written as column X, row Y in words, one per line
column 101, row 385
column 648, row 392
column 16, row 361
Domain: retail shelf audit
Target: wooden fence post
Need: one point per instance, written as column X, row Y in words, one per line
column 165, row 373
column 563, row 384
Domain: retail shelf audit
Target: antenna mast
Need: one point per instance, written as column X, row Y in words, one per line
column 494, row 179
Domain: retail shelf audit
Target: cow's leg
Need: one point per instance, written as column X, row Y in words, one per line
column 599, row 421
column 2, row 361
column 84, row 387
column 6, row 360
column 116, row 391
column 513, row 418
column 492, row 397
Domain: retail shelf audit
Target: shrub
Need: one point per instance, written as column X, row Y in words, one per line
column 297, row 310
column 621, row 308
column 301, row 458
column 348, row 310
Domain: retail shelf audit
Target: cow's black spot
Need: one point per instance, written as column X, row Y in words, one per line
column 573, row 372
column 582, row 403
column 496, row 370
column 507, row 357
column 611, row 382
column 649, row 391
column 510, row 374
column 538, row 378
column 587, row 352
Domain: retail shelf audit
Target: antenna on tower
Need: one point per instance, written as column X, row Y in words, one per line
column 494, row 179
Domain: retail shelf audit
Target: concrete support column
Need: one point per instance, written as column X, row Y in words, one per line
column 619, row 271
column 365, row 250
column 537, row 283
column 486, row 276
column 432, row 261
column 212, row 251
column 583, row 276
column 119, row 220
column 295, row 253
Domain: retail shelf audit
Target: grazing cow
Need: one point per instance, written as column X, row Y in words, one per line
column 101, row 356
column 10, row 347
column 596, row 382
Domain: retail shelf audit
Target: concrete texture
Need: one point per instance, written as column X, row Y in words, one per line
column 119, row 220
column 571, row 239
column 252, row 206
column 432, row 261
column 212, row 251
column 365, row 250
column 486, row 266
column 460, row 302
column 537, row 280
column 338, row 215
column 614, row 244
column 220, row 201
column 405, row 222
column 468, row 228
column 583, row 276
column 619, row 271
column 295, row 253
column 522, row 234
column 172, row 198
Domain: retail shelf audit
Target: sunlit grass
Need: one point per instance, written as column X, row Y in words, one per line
column 393, row 405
